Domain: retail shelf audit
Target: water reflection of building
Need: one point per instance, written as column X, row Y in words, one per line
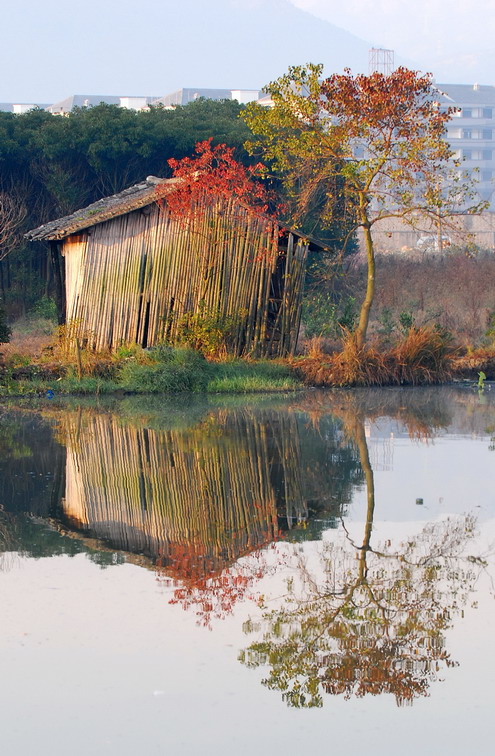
column 206, row 494
column 168, row 493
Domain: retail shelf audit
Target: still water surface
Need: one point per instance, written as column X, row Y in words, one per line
column 272, row 576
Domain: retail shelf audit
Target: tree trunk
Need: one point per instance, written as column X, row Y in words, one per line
column 364, row 457
column 364, row 315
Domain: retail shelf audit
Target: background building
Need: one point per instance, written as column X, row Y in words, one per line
column 471, row 132
column 184, row 96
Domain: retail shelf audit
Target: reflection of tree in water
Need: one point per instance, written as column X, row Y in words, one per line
column 360, row 620
column 367, row 625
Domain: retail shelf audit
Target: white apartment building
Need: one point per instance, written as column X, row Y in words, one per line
column 471, row 132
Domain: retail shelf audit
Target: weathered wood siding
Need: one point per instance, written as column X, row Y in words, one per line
column 170, row 492
column 132, row 279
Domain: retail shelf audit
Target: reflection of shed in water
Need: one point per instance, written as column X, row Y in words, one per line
column 172, row 495
column 206, row 494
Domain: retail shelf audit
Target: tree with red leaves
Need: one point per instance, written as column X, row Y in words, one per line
column 368, row 147
column 212, row 176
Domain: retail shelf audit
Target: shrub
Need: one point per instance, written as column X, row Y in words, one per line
column 44, row 309
column 209, row 331
column 490, row 331
column 353, row 366
column 423, row 356
column 326, row 314
column 181, row 370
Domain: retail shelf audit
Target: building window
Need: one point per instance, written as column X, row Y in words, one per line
column 487, row 155
column 487, row 112
column 467, row 113
column 487, row 134
column 467, row 133
column 466, row 154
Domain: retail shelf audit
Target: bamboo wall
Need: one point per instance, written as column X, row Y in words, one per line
column 133, row 278
column 200, row 495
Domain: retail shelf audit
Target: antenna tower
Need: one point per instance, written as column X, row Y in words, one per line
column 381, row 61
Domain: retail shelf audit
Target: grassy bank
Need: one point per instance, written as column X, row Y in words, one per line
column 136, row 371
column 423, row 356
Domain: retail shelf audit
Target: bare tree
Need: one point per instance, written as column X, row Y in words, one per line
column 12, row 213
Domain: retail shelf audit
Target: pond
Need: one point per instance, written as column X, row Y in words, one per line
column 241, row 576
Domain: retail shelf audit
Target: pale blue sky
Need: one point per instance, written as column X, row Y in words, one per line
column 456, row 41
column 53, row 49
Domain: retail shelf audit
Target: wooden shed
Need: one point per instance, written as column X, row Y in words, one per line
column 134, row 272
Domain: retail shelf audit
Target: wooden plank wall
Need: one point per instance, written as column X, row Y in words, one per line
column 132, row 279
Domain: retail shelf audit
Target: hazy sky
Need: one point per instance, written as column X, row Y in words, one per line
column 55, row 48
column 456, row 41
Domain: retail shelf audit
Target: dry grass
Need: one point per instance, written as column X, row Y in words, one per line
column 26, row 343
column 453, row 291
column 471, row 364
column 424, row 356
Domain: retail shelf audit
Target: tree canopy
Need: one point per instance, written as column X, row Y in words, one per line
column 359, row 149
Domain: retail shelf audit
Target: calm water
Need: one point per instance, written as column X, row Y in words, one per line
column 249, row 577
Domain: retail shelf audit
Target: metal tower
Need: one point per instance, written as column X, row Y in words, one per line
column 381, row 61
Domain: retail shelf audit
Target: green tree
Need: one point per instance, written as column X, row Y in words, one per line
column 54, row 165
column 360, row 149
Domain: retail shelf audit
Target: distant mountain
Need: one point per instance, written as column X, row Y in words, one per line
column 246, row 43
column 158, row 46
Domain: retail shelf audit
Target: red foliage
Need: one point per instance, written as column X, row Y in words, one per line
column 207, row 585
column 215, row 175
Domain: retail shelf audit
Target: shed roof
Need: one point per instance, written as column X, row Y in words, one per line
column 133, row 198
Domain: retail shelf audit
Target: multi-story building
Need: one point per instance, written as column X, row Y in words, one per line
column 471, row 132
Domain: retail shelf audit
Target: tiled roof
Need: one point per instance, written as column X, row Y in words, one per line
column 133, row 198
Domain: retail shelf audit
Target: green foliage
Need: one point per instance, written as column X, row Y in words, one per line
column 328, row 314
column 348, row 316
column 209, row 331
column 240, row 376
column 61, row 164
column 406, row 321
column 44, row 308
column 178, row 370
column 160, row 370
column 319, row 315
column 130, row 351
column 387, row 324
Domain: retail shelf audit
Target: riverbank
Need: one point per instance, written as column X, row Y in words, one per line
column 162, row 370
column 419, row 360
column 422, row 358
